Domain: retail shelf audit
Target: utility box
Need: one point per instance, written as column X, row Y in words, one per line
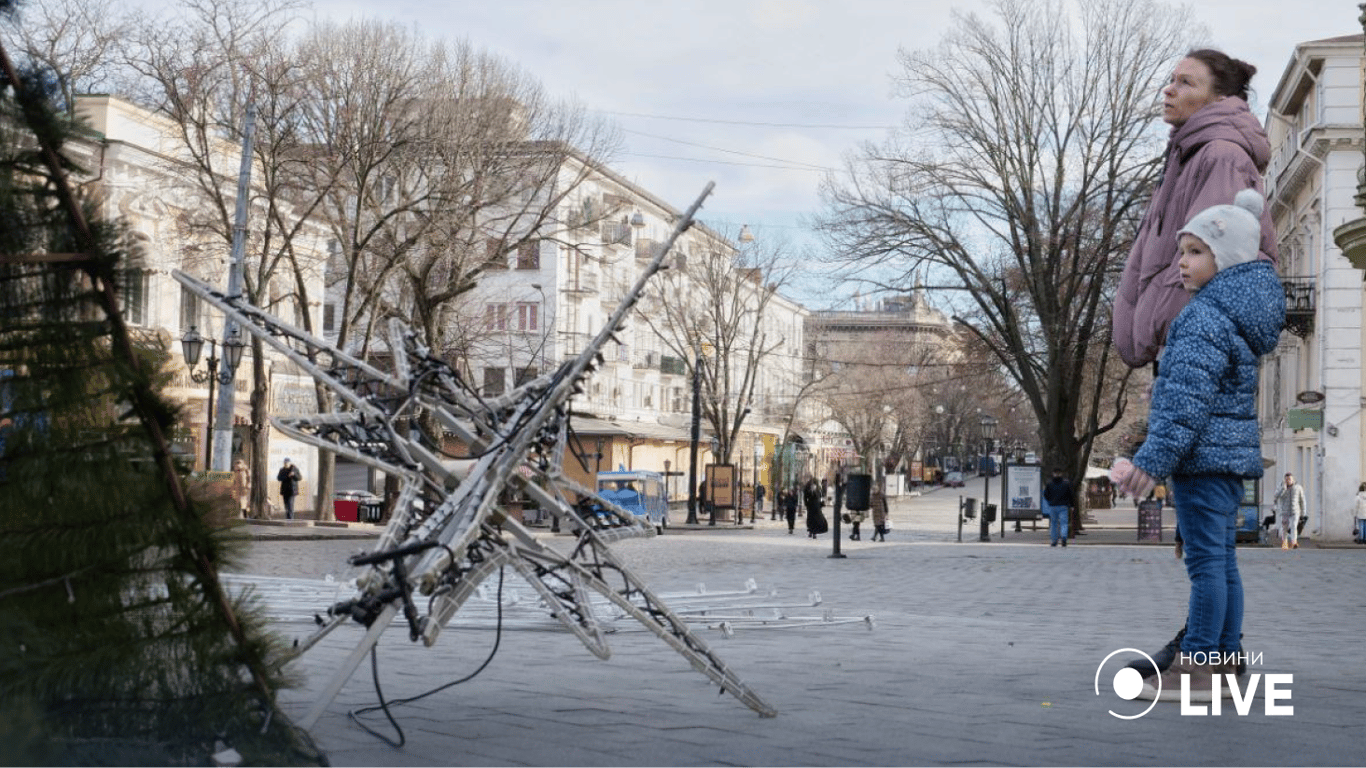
column 346, row 506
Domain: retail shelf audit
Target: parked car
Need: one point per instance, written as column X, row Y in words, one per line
column 638, row 491
column 953, row 479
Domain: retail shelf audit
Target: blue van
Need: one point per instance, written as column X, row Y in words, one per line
column 639, row 491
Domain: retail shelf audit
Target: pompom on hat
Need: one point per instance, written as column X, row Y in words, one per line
column 1232, row 232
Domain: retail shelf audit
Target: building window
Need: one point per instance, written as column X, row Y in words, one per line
column 528, row 317
column 191, row 312
column 329, row 317
column 496, row 317
column 529, row 255
column 133, row 295
column 525, row 375
column 494, row 258
column 495, row 382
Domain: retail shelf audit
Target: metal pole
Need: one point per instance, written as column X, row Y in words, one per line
column 696, row 435
column 835, row 515
column 757, row 457
column 222, row 421
column 960, row 519
column 212, row 364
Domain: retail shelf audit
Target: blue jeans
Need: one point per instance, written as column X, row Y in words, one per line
column 1207, row 512
column 1057, row 521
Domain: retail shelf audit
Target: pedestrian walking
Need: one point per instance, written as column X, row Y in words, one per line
column 789, row 499
column 878, row 501
column 1289, row 504
column 1360, row 512
column 241, row 487
column 855, row 518
column 813, row 496
column 759, row 493
column 1202, row 427
column 1057, row 504
column 289, row 478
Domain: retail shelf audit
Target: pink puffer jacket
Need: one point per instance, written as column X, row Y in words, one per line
column 1218, row 152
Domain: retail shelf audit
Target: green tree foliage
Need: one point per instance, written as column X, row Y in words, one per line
column 120, row 645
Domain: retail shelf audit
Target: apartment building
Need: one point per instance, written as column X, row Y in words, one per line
column 1312, row 390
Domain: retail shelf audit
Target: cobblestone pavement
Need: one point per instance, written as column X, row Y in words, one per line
column 981, row 654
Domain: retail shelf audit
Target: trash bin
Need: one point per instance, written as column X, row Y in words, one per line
column 346, row 506
column 988, row 513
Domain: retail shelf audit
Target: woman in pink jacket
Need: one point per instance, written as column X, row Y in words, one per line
column 1216, row 148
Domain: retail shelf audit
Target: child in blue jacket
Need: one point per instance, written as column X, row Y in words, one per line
column 1203, row 431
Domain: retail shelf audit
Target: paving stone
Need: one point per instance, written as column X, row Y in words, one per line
column 983, row 653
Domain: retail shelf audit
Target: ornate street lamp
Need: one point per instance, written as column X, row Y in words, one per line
column 191, row 345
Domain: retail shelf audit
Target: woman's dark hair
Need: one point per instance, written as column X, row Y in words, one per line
column 1231, row 75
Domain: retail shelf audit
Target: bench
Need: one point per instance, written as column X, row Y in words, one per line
column 1020, row 515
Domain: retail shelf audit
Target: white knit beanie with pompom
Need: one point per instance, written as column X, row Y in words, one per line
column 1232, row 232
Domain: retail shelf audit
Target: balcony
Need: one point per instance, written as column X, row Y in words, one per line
column 584, row 282
column 646, row 250
column 616, row 233
column 1299, row 305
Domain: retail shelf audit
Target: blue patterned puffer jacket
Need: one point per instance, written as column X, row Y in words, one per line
column 1203, row 419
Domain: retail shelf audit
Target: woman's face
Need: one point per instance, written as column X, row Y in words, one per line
column 1191, row 87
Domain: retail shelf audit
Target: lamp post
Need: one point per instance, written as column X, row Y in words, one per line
column 988, row 425
column 191, row 344
column 711, row 483
column 696, row 434
column 758, row 456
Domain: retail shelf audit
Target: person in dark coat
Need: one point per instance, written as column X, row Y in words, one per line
column 814, row 497
column 289, row 478
column 878, row 501
column 1057, row 504
column 789, row 502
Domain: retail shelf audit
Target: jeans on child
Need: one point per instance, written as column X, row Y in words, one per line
column 1207, row 512
column 1057, row 521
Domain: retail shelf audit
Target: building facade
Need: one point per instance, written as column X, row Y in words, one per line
column 879, row 362
column 1312, row 391
column 138, row 168
column 540, row 303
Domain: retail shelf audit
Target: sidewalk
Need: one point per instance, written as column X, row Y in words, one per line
column 982, row 654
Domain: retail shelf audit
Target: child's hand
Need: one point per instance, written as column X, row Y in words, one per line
column 1120, row 471
column 1139, row 483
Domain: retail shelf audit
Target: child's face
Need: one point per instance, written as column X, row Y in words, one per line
column 1197, row 263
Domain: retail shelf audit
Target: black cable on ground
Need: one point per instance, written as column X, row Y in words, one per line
column 383, row 706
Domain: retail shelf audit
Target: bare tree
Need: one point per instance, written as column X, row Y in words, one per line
column 440, row 160
column 79, row 42
column 480, row 165
column 1018, row 178
column 202, row 69
column 712, row 311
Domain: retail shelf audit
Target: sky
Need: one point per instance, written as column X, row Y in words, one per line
column 764, row 96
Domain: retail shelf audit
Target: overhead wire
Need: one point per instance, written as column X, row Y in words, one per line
column 755, row 123
column 731, row 151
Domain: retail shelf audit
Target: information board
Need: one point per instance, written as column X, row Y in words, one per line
column 1150, row 520
column 1023, row 488
column 721, row 485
